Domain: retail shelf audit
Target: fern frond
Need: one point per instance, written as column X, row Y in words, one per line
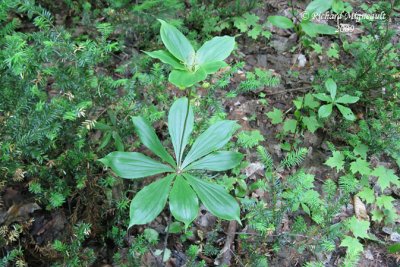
column 265, row 158
column 294, row 158
column 348, row 183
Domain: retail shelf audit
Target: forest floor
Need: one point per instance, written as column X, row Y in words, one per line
column 277, row 55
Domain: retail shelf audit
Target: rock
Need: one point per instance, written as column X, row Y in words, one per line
column 387, row 230
column 281, row 44
column 395, row 237
column 251, row 61
column 262, row 60
column 368, row 255
column 302, row 60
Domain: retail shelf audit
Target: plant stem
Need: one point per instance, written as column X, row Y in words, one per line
column 166, row 237
column 179, row 159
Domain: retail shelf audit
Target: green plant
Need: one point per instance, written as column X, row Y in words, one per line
column 110, row 131
column 303, row 104
column 73, row 254
column 183, row 202
column 190, row 66
column 306, row 25
column 326, row 110
column 249, row 23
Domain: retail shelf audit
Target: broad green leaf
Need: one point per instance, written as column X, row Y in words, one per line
column 106, row 139
column 385, row 202
column 313, row 29
column 346, row 112
column 151, row 235
column 212, row 67
column 337, row 6
column 113, row 117
column 215, row 199
column 241, row 24
column 184, row 79
column 281, row 22
column 361, row 166
column 298, row 102
column 310, row 102
column 276, row 116
column 176, row 126
column 333, row 52
column 118, row 141
column 377, row 215
column 133, row 165
column 217, row 49
column 395, row 248
column 217, row 161
column 359, row 228
column 336, row 161
column 166, row 57
column 323, row 97
column 367, row 194
column 102, row 126
column 175, row 227
column 150, row 201
column 266, row 34
column 309, row 28
column 317, row 48
column 251, row 19
column 319, row 6
column 183, row 202
column 385, row 177
column 311, row 123
column 325, row 111
column 255, row 32
column 324, row 29
column 361, row 150
column 176, row 43
column 354, row 247
column 331, row 87
column 347, row 99
column 215, row 137
column 149, row 138
column 289, row 126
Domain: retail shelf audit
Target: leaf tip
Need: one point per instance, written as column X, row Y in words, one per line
column 104, row 161
column 162, row 21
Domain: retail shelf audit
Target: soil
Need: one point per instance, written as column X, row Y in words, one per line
column 279, row 55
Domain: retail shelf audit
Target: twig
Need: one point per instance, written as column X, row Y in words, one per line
column 225, row 255
column 178, row 160
column 166, row 237
column 280, row 234
column 155, row 257
column 290, row 90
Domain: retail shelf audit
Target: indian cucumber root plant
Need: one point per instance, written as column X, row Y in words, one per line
column 199, row 133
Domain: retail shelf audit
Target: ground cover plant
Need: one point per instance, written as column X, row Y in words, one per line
column 199, row 133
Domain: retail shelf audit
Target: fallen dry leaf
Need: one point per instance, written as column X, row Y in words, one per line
column 360, row 209
column 18, row 213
